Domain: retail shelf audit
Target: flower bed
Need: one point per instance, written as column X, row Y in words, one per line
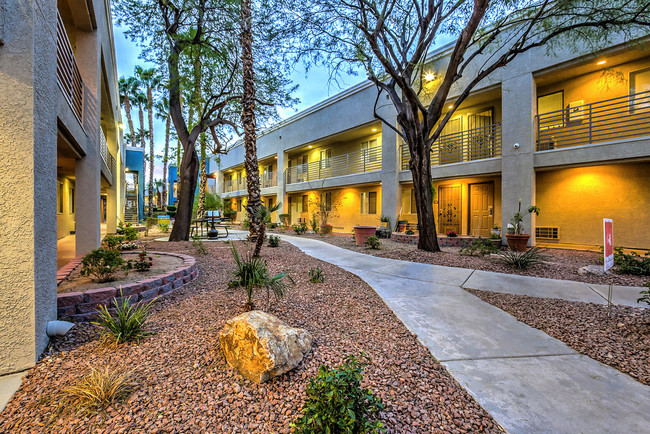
column 81, row 305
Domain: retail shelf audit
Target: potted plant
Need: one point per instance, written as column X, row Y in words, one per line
column 496, row 230
column 401, row 225
column 361, row 233
column 517, row 239
column 452, row 234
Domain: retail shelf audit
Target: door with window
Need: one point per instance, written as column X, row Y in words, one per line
column 370, row 155
column 450, row 142
column 480, row 136
column 449, row 208
column 481, row 206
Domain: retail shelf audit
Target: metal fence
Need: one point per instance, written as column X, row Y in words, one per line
column 366, row 160
column 468, row 145
column 602, row 121
column 234, row 185
column 269, row 179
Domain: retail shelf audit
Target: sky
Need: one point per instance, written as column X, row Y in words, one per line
column 312, row 88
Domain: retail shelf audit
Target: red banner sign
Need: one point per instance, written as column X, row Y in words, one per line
column 608, row 246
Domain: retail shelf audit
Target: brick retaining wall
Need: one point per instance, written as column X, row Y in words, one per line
column 81, row 306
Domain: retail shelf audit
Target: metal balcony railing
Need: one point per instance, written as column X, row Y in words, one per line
column 613, row 119
column 81, row 100
column 234, row 185
column 468, row 145
column 269, row 179
column 103, row 148
column 366, row 160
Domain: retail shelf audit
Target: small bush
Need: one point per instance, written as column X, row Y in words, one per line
column 316, row 275
column 100, row 389
column 631, row 263
column 129, row 246
column 300, row 229
column 314, row 222
column 325, row 229
column 127, row 323
column 480, row 247
column 149, row 223
column 521, row 260
column 336, row 402
column 452, row 234
column 143, row 263
column 274, row 241
column 373, row 242
column 112, row 242
column 164, row 227
column 246, row 224
column 284, row 219
column 130, row 233
column 645, row 295
column 101, row 264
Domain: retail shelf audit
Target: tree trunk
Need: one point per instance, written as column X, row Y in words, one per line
column 203, row 177
column 165, row 161
column 420, row 166
column 259, row 240
column 187, row 184
column 142, row 134
column 248, row 120
column 151, row 150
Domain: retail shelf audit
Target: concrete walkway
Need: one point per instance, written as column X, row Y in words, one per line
column 528, row 381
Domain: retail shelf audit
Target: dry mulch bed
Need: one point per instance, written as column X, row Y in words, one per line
column 186, row 385
column 561, row 263
column 621, row 341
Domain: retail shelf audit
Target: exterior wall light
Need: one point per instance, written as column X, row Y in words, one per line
column 120, row 125
column 516, row 145
column 429, row 76
column 601, row 62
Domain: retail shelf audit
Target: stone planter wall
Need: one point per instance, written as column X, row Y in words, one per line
column 443, row 241
column 81, row 306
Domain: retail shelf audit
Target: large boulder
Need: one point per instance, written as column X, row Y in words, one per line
column 596, row 270
column 261, row 347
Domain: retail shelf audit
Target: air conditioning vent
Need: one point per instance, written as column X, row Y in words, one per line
column 547, row 233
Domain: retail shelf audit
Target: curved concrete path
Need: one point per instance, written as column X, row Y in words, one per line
column 528, row 381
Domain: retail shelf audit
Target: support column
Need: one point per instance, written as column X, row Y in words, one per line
column 282, row 164
column 390, row 189
column 28, row 188
column 517, row 163
column 111, row 207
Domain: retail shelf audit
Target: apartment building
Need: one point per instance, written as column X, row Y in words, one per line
column 62, row 161
column 568, row 132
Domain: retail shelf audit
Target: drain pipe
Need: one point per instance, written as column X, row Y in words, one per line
column 58, row 328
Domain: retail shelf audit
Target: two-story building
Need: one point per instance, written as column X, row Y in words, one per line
column 62, row 160
column 568, row 132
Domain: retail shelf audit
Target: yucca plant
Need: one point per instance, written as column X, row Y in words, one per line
column 127, row 323
column 252, row 274
column 316, row 275
column 101, row 388
column 521, row 260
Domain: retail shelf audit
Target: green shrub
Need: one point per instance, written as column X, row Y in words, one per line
column 409, row 232
column 284, row 219
column 300, row 228
column 100, row 389
column 325, row 229
column 143, row 263
column 112, row 242
column 314, row 222
column 521, row 260
column 101, row 264
column 164, row 227
column 631, row 263
column 336, row 402
column 149, row 223
column 246, row 224
column 645, row 295
column 129, row 246
column 127, row 323
column 480, row 247
column 274, row 241
column 373, row 242
column 316, row 275
column 252, row 274
column 130, row 233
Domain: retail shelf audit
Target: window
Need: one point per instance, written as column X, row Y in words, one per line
column 370, row 151
column 326, row 201
column 269, row 202
column 325, row 158
column 414, row 209
column 71, row 200
column 239, row 201
column 369, row 202
column 59, row 197
column 305, row 203
column 549, row 109
column 640, row 82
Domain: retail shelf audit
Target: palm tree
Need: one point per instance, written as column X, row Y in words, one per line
column 150, row 80
column 162, row 112
column 128, row 88
column 248, row 119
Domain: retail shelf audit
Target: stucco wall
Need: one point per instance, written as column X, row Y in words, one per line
column 576, row 200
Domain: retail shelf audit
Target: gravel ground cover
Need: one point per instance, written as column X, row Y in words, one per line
column 561, row 263
column 186, row 386
column 621, row 340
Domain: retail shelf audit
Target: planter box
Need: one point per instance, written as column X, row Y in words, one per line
column 517, row 243
column 361, row 233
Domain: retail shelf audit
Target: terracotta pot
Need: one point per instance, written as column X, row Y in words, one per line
column 363, row 232
column 517, row 243
column 496, row 242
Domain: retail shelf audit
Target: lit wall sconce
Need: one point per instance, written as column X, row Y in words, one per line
column 429, row 76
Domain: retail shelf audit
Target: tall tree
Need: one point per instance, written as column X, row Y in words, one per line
column 249, row 122
column 150, row 80
column 128, row 88
column 140, row 99
column 162, row 112
column 391, row 40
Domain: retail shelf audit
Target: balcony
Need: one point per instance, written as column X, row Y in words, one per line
column 269, row 179
column 82, row 102
column 107, row 158
column 366, row 160
column 603, row 121
column 234, row 185
column 469, row 145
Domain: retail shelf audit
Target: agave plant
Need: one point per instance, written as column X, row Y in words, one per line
column 252, row 274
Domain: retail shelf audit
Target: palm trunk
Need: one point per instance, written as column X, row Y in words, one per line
column 129, row 118
column 165, row 161
column 248, row 120
column 142, row 134
column 151, row 150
